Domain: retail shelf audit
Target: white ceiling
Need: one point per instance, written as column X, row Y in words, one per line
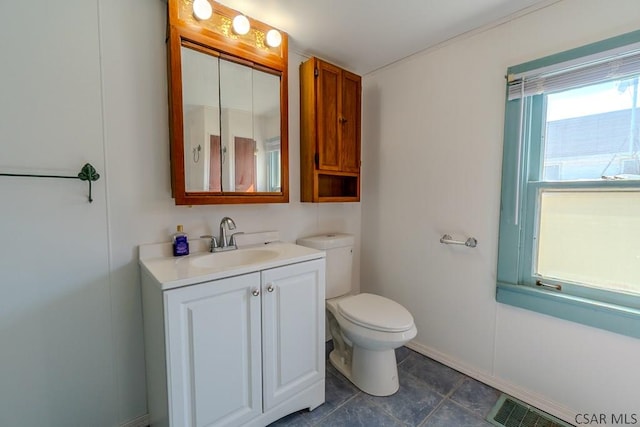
column 364, row 35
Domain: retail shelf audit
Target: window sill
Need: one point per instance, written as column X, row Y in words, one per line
column 615, row 318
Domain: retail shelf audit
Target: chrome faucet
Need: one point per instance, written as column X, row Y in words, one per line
column 222, row 243
column 222, row 240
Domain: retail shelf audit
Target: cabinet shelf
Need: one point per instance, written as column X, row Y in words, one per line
column 331, row 187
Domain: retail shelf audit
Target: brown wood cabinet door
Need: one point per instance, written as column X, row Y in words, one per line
column 350, row 122
column 328, row 100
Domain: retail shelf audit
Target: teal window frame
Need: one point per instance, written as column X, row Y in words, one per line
column 521, row 184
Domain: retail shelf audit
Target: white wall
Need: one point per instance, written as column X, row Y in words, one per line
column 432, row 147
column 85, row 81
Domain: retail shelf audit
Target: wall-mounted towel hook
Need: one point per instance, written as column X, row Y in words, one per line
column 471, row 242
column 196, row 153
column 87, row 173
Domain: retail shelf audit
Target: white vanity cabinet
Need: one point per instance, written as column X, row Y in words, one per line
column 236, row 351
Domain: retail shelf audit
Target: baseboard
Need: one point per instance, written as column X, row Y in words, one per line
column 141, row 421
column 518, row 392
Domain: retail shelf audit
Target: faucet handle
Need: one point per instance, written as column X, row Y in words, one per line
column 214, row 241
column 233, row 242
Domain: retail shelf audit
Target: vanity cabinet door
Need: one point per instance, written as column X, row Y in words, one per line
column 212, row 331
column 293, row 329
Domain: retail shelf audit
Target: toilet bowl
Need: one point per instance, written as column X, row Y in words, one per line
column 369, row 329
column 366, row 328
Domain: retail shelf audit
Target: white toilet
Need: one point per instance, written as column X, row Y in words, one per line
column 366, row 328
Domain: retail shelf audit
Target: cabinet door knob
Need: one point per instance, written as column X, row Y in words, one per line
column 255, row 292
column 342, row 120
column 270, row 288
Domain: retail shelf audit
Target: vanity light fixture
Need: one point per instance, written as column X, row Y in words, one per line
column 202, row 9
column 241, row 25
column 274, row 38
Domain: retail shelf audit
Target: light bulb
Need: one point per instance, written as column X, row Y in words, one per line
column 274, row 38
column 202, row 9
column 241, row 25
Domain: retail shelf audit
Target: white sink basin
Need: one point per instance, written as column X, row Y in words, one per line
column 172, row 272
column 234, row 258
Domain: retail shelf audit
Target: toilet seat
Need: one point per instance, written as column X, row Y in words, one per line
column 376, row 313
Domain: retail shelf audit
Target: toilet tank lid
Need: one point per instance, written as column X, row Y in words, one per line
column 327, row 241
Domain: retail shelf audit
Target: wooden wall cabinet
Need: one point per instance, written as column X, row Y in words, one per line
column 330, row 110
column 228, row 110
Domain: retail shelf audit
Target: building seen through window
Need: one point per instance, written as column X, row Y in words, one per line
column 592, row 132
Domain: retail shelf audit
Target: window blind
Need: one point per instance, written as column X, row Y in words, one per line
column 570, row 75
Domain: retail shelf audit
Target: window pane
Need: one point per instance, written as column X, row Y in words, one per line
column 590, row 238
column 592, row 132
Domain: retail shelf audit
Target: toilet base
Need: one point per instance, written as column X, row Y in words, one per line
column 373, row 371
column 343, row 366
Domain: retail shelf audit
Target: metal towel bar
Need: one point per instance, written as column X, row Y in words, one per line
column 87, row 173
column 471, row 242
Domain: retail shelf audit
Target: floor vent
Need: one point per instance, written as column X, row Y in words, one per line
column 510, row 412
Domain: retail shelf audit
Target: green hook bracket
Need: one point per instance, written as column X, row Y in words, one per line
column 88, row 173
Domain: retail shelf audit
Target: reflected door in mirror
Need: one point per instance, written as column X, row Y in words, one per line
column 245, row 164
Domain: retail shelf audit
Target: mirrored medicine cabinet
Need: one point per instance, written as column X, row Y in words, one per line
column 228, row 109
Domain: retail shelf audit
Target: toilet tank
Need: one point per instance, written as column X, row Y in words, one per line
column 339, row 249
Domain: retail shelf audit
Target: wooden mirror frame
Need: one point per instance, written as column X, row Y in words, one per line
column 216, row 34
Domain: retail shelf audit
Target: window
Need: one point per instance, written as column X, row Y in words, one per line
column 570, row 214
column 272, row 147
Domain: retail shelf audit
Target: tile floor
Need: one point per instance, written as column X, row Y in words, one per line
column 430, row 395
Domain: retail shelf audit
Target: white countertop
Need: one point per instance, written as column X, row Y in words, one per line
column 172, row 272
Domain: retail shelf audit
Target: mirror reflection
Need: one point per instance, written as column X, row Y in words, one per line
column 231, row 125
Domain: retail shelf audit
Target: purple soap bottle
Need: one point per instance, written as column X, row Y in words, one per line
column 180, row 243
